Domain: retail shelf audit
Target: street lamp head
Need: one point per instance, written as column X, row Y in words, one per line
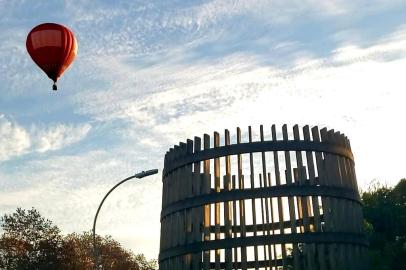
column 146, row 173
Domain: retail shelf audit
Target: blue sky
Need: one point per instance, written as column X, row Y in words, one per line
column 149, row 74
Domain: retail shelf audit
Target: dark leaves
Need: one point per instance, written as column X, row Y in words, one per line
column 30, row 241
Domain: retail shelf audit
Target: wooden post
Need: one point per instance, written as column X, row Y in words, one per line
column 254, row 214
column 280, row 205
column 289, row 181
column 241, row 204
column 228, row 205
column 207, row 212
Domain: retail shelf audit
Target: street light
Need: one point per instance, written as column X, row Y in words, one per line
column 137, row 175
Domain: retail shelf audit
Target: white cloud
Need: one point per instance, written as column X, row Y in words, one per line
column 14, row 139
column 59, row 136
column 339, row 90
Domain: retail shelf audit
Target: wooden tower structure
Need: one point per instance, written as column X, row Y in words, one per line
column 273, row 200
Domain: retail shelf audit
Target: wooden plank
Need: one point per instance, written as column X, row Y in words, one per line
column 288, row 173
column 217, row 205
column 177, row 222
column 190, row 213
column 235, row 225
column 241, row 204
column 267, row 201
column 228, row 205
column 279, row 200
column 207, row 212
column 183, row 190
column 197, row 213
column 168, row 224
column 315, row 201
column 331, row 180
column 272, row 252
column 321, row 249
column 341, row 204
column 303, row 203
column 254, row 214
column 349, row 208
column 264, row 223
column 357, row 208
column 353, row 254
column 163, row 227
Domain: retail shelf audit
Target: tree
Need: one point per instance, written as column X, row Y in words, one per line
column 78, row 254
column 385, row 220
column 30, row 241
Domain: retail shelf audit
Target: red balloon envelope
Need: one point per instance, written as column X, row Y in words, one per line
column 53, row 48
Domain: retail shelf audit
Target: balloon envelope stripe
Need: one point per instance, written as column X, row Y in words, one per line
column 46, row 38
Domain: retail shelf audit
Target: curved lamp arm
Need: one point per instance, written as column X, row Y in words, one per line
column 137, row 175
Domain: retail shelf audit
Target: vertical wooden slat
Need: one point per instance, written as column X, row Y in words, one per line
column 312, row 181
column 177, row 238
column 331, row 181
column 279, row 200
column 254, row 214
column 198, row 212
column 228, row 205
column 348, row 206
column 272, row 252
column 315, row 201
column 354, row 210
column 341, row 215
column 168, row 225
column 183, row 186
column 235, row 225
column 164, row 191
column 217, row 205
column 289, row 181
column 325, row 201
column 189, row 213
column 264, row 223
column 303, row 203
column 172, row 222
column 357, row 208
column 207, row 211
column 267, row 201
column 241, row 204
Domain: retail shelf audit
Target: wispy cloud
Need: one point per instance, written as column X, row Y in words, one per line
column 15, row 140
column 59, row 136
column 188, row 99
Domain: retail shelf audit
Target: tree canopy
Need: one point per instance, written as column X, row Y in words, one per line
column 30, row 241
column 385, row 220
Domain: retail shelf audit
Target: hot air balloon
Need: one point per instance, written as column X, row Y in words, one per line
column 52, row 47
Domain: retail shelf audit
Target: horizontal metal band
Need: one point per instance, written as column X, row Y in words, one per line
column 242, row 148
column 253, row 264
column 265, row 192
column 263, row 227
column 316, row 237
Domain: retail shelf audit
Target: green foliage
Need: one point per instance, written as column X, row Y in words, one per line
column 385, row 223
column 30, row 241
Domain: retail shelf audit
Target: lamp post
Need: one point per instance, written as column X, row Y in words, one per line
column 137, row 175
